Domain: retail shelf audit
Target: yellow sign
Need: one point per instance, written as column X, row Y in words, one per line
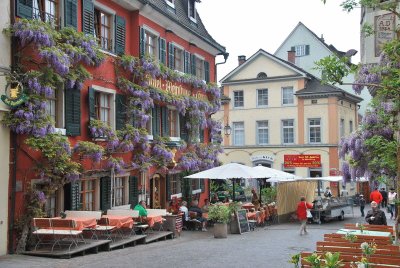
column 14, row 95
column 174, row 88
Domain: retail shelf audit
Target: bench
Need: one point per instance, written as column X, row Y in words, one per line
column 56, row 232
column 156, row 212
column 131, row 213
column 392, row 249
column 371, row 227
column 83, row 214
column 122, row 207
column 379, row 240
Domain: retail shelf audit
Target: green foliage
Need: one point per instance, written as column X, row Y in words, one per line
column 314, row 260
column 332, row 260
column 219, row 213
column 295, row 260
column 350, row 237
column 333, row 69
column 234, row 207
column 213, row 187
column 269, row 194
column 383, row 153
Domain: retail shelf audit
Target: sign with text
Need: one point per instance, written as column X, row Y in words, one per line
column 302, row 160
column 384, row 31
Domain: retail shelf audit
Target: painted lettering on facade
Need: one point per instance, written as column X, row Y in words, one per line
column 305, row 160
column 384, row 31
column 174, row 88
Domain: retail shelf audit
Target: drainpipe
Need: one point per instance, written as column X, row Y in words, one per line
column 226, row 55
column 11, row 219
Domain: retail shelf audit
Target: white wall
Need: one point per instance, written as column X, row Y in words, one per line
column 4, row 132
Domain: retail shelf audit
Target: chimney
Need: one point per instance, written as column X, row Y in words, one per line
column 291, row 56
column 241, row 59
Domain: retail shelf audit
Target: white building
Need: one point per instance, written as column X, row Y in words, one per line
column 311, row 48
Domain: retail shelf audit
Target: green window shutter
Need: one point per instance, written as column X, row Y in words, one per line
column 120, row 111
column 168, row 187
column 207, row 71
column 73, row 112
column 293, row 49
column 105, row 193
column 158, row 119
column 183, row 133
column 193, row 64
column 92, row 109
column 162, row 53
column 71, row 13
column 202, row 185
column 164, row 121
column 75, row 194
column 142, row 42
column 87, row 17
column 186, row 190
column 201, row 135
column 307, row 49
column 154, row 121
column 24, row 9
column 120, row 30
column 171, row 56
column 186, row 66
column 133, row 191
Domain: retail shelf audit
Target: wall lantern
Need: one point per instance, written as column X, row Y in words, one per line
column 227, row 130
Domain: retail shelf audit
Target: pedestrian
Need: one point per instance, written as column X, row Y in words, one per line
column 375, row 215
column 391, row 202
column 362, row 204
column 376, row 196
column 384, row 197
column 302, row 208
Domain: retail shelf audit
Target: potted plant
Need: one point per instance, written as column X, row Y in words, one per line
column 220, row 215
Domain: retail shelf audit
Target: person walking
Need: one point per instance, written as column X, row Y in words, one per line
column 384, row 197
column 375, row 215
column 376, row 196
column 391, row 202
column 302, row 207
column 362, row 204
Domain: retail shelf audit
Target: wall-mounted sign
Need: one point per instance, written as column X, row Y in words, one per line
column 302, row 160
column 384, row 31
column 14, row 95
column 262, row 157
column 174, row 88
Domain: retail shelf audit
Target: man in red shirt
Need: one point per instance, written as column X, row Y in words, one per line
column 376, row 196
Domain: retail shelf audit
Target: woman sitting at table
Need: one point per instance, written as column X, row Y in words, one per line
column 141, row 207
column 199, row 216
column 206, row 205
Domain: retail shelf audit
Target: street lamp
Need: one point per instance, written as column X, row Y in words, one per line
column 227, row 129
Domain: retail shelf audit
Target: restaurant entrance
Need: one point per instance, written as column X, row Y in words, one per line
column 157, row 193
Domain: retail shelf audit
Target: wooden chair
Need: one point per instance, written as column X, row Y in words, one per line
column 104, row 229
column 65, row 233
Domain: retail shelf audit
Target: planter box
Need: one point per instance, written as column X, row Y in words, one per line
column 220, row 230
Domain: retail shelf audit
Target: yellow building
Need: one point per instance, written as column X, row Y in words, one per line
column 276, row 110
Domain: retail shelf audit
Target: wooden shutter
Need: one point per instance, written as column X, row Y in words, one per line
column 142, row 42
column 162, row 50
column 183, row 133
column 307, row 49
column 201, row 135
column 186, row 190
column 71, row 13
column 193, row 64
column 293, row 49
column 105, row 193
column 75, row 194
column 168, row 186
column 156, row 114
column 120, row 111
column 87, row 17
column 207, row 71
column 164, row 121
column 73, row 112
column 171, row 56
column 186, row 66
column 133, row 191
column 92, row 109
column 24, row 9
column 120, row 30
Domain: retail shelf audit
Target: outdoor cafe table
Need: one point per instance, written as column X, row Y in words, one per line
column 119, row 221
column 82, row 223
column 365, row 232
column 153, row 219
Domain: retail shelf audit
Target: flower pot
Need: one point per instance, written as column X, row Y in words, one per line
column 220, row 230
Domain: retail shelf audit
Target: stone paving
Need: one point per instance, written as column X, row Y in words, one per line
column 270, row 247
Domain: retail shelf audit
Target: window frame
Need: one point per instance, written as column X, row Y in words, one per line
column 150, row 32
column 283, row 96
column 111, row 14
column 283, row 127
column 199, row 67
column 43, row 15
column 171, row 3
column 258, row 128
column 300, row 50
column 351, row 126
column 234, row 132
column 311, row 129
column 179, row 50
column 121, row 190
column 83, row 191
column 342, row 128
column 192, row 8
column 235, row 101
column 172, row 112
column 258, row 97
column 111, row 93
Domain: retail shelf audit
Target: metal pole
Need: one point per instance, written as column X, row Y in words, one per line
column 233, row 188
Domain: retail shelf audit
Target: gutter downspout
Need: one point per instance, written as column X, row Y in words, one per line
column 13, row 149
column 226, row 55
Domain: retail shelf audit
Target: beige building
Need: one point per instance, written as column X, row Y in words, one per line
column 278, row 111
column 4, row 132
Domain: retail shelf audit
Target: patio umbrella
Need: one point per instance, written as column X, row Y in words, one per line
column 228, row 171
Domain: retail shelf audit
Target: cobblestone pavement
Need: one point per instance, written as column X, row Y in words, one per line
column 270, row 247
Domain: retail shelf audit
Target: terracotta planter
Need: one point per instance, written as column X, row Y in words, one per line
column 220, row 230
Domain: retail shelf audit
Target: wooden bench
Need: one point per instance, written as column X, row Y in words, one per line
column 333, row 246
column 131, row 213
column 371, row 227
column 156, row 212
column 379, row 240
column 56, row 232
column 83, row 214
column 124, row 207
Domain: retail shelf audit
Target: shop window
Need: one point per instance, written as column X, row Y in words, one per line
column 88, row 193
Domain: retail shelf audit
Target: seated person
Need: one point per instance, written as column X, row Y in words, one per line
column 206, row 205
column 183, row 208
column 195, row 208
column 328, row 192
column 141, row 207
column 173, row 206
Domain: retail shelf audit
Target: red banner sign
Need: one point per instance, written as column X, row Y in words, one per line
column 302, row 160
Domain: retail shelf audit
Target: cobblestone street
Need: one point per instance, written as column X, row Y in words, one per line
column 270, row 246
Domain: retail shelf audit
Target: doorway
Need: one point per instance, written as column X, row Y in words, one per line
column 158, row 191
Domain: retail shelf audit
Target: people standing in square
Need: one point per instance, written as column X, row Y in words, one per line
column 376, row 196
column 391, row 202
column 362, row 205
column 384, row 197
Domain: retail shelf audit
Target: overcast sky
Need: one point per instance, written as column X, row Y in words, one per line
column 244, row 27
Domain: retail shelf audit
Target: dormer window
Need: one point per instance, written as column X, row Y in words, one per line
column 192, row 10
column 171, row 3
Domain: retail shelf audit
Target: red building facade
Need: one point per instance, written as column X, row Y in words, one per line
column 137, row 120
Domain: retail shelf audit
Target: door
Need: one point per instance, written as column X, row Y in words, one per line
column 157, row 195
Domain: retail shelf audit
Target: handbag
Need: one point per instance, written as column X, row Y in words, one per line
column 309, row 215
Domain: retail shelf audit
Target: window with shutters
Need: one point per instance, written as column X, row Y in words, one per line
column 102, row 29
column 150, row 44
column 118, row 198
column 178, row 58
column 88, row 193
column 302, row 50
column 103, row 107
column 55, row 107
column 200, row 68
column 173, row 122
column 46, row 10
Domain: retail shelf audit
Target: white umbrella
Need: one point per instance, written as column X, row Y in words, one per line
column 275, row 175
column 228, row 171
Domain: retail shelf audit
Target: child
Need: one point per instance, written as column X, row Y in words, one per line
column 362, row 204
